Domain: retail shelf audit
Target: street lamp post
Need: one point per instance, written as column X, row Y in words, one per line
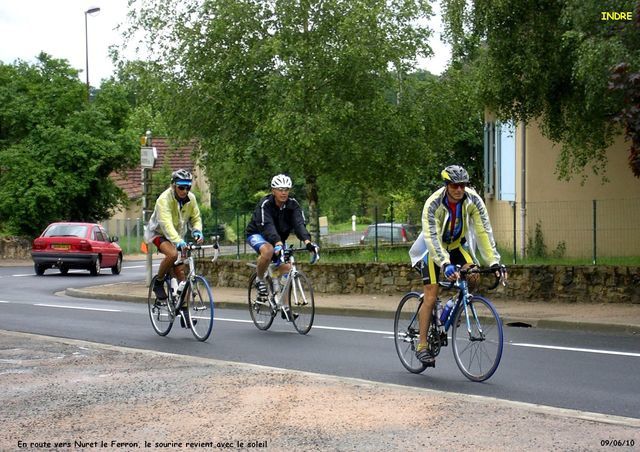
column 86, row 42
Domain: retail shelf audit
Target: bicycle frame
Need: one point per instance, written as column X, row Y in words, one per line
column 276, row 300
column 195, row 298
column 293, row 297
column 462, row 302
column 186, row 257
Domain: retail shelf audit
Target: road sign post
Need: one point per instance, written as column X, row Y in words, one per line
column 148, row 155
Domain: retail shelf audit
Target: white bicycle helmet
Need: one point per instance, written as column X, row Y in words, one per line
column 281, row 181
column 181, row 175
column 455, row 174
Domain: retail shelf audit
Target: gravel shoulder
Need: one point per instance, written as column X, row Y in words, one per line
column 61, row 394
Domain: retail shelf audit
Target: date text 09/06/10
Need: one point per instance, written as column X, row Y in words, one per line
column 618, row 442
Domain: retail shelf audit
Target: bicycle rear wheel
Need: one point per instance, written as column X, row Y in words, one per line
column 261, row 312
column 200, row 305
column 476, row 333
column 406, row 332
column 301, row 303
column 160, row 313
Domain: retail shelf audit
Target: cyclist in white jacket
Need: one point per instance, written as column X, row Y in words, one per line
column 454, row 223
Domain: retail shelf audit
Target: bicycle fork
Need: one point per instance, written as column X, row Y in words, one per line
column 474, row 314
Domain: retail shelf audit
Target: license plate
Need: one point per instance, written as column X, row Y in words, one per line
column 59, row 246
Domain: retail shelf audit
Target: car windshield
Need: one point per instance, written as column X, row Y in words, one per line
column 66, row 230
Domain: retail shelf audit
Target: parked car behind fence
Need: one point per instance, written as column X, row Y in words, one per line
column 390, row 232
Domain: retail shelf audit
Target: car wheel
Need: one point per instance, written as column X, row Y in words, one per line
column 64, row 269
column 39, row 269
column 116, row 269
column 95, row 268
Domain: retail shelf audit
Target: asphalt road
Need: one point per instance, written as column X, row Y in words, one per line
column 568, row 369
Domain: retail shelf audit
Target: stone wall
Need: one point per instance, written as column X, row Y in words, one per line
column 592, row 284
column 15, row 248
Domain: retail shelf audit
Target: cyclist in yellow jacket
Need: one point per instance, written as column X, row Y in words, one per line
column 175, row 208
column 454, row 223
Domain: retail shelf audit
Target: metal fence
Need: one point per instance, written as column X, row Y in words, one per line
column 573, row 231
column 591, row 231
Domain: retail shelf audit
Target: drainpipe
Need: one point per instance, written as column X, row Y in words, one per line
column 523, row 189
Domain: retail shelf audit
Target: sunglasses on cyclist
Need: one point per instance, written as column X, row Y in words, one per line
column 457, row 186
column 183, row 187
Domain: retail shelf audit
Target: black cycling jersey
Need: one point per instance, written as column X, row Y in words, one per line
column 275, row 224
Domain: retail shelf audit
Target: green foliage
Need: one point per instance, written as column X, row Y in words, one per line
column 406, row 208
column 56, row 150
column 550, row 61
column 142, row 82
column 560, row 251
column 628, row 83
column 536, row 246
column 297, row 87
column 537, row 249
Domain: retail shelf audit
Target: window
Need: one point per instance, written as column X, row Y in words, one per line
column 500, row 160
column 97, row 235
column 65, row 230
column 506, row 160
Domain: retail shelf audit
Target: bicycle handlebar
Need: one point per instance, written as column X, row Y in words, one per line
column 499, row 277
column 193, row 246
column 287, row 252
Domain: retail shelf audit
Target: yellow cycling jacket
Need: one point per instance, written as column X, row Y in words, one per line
column 476, row 230
column 170, row 220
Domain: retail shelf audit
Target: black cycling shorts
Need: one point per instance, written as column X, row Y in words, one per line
column 431, row 274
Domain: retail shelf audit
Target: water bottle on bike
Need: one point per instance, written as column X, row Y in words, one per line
column 446, row 310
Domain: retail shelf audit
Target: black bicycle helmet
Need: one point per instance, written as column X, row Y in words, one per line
column 455, row 174
column 181, row 175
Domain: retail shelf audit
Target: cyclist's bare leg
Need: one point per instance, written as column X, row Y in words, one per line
column 424, row 316
column 266, row 253
column 170, row 255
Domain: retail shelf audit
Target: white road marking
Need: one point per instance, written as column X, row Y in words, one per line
column 4, row 301
column 574, row 349
column 232, row 320
column 316, row 327
column 355, row 330
column 76, row 307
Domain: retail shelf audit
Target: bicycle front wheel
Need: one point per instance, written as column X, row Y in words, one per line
column 260, row 310
column 477, row 339
column 200, row 305
column 406, row 332
column 301, row 304
column 160, row 312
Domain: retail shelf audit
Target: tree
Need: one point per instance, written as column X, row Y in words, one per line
column 56, row 150
column 290, row 86
column 551, row 61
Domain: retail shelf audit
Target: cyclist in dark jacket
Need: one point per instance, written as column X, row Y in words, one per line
column 273, row 219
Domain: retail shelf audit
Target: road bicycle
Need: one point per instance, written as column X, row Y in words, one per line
column 476, row 328
column 194, row 293
column 291, row 295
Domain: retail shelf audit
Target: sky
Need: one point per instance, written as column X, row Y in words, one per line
column 57, row 27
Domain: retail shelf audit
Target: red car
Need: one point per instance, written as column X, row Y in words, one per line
column 76, row 245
